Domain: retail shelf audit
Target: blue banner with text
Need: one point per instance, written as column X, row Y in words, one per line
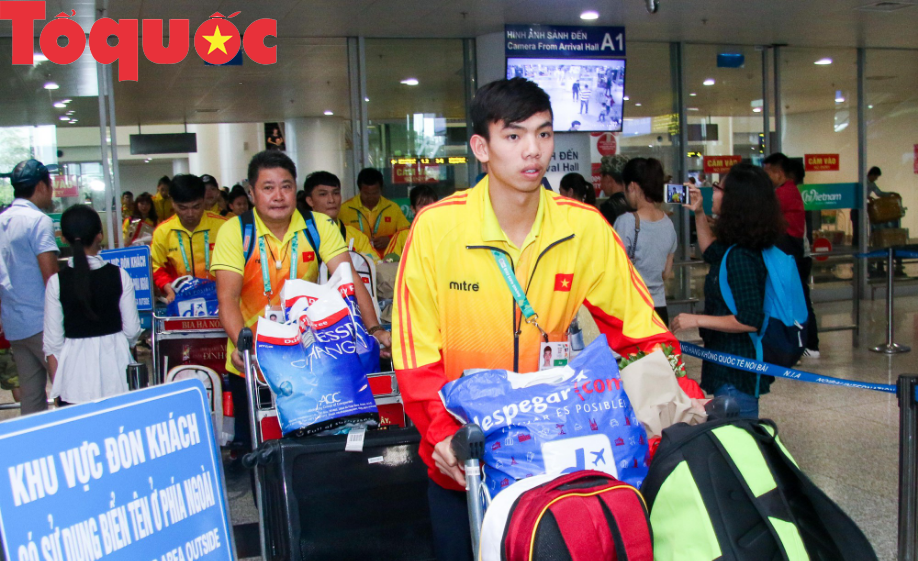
column 132, row 477
column 136, row 261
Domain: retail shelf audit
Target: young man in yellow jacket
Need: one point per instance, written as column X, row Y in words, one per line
column 323, row 194
column 183, row 245
column 474, row 260
column 371, row 213
column 162, row 200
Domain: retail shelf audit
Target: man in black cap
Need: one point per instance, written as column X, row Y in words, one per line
column 29, row 255
column 212, row 193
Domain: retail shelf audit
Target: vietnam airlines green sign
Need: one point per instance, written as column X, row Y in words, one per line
column 829, row 196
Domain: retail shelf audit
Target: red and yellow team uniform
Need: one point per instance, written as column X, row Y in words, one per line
column 454, row 311
column 229, row 255
column 174, row 246
column 163, row 207
column 385, row 219
column 360, row 240
column 397, row 243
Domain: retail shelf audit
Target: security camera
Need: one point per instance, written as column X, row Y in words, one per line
column 653, row 6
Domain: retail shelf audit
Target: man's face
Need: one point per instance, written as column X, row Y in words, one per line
column 239, row 205
column 163, row 189
column 776, row 174
column 274, row 194
column 44, row 195
column 325, row 199
column 609, row 186
column 872, row 177
column 127, row 198
column 517, row 153
column 370, row 194
column 210, row 195
column 190, row 213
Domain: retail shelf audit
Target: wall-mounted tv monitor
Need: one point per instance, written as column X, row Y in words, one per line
column 584, row 91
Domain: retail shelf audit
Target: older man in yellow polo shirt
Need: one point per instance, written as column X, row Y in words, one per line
column 371, row 213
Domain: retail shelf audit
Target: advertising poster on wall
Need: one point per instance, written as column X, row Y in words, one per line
column 274, row 136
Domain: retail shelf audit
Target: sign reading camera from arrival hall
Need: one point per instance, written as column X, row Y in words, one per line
column 563, row 41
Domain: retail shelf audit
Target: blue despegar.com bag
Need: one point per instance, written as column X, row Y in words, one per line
column 316, row 377
column 194, row 297
column 560, row 420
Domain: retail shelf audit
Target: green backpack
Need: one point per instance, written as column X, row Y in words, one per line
column 729, row 490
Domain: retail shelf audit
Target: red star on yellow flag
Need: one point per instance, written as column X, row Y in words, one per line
column 217, row 41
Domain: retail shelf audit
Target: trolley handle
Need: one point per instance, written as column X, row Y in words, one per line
column 244, row 342
column 468, row 443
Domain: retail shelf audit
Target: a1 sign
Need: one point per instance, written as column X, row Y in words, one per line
column 720, row 164
column 821, row 162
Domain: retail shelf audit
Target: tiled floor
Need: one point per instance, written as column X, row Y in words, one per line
column 846, row 440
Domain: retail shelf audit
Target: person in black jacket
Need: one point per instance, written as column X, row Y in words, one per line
column 613, row 187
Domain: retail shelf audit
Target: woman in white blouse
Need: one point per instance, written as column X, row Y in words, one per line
column 91, row 319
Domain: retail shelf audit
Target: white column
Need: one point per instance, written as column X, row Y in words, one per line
column 179, row 165
column 317, row 144
column 224, row 150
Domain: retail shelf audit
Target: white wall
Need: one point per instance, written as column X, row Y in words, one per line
column 891, row 139
column 139, row 177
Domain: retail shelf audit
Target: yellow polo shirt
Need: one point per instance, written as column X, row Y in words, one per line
column 166, row 250
column 385, row 219
column 361, row 242
column 163, row 207
column 229, row 255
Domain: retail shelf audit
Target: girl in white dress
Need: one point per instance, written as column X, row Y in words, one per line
column 91, row 319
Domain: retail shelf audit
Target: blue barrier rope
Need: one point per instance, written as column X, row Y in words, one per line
column 756, row 367
column 885, row 253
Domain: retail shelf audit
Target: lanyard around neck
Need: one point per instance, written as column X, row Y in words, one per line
column 519, row 296
column 375, row 228
column 181, row 243
column 265, row 274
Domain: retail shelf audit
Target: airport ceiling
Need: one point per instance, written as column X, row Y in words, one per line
column 311, row 74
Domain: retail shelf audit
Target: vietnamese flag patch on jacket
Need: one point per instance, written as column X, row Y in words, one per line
column 563, row 282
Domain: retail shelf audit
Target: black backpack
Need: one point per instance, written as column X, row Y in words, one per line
column 729, row 490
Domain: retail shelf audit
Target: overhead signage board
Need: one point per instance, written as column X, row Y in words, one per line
column 136, row 261
column 829, row 196
column 821, row 162
column 574, row 41
column 136, row 476
column 720, row 164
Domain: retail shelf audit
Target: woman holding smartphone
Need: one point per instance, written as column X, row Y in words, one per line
column 647, row 233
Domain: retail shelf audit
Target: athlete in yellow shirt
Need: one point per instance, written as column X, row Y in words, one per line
column 323, row 194
column 420, row 196
column 282, row 250
column 454, row 306
column 374, row 215
column 162, row 200
column 212, row 195
column 184, row 244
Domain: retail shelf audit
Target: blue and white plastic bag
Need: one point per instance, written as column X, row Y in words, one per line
column 559, row 420
column 315, row 373
column 194, row 297
column 297, row 295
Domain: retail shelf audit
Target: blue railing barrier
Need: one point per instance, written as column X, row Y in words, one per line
column 904, row 253
column 906, row 391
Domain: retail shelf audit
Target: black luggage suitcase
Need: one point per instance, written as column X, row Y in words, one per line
column 321, row 502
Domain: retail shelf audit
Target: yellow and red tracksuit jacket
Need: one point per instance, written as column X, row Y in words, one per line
column 385, row 219
column 397, row 243
column 166, row 251
column 454, row 311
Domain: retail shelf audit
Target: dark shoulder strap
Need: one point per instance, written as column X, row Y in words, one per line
column 637, row 230
column 247, row 226
column 312, row 234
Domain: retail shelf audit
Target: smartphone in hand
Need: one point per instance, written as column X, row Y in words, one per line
column 677, row 194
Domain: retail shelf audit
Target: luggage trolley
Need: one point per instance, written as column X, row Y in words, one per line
column 178, row 340
column 317, row 501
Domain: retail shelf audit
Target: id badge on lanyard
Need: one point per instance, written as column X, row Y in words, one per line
column 263, row 254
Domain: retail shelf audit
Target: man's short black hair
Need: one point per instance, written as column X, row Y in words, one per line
column 210, row 180
column 270, row 159
column 164, row 180
column 187, row 188
column 317, row 178
column 875, row 171
column 123, row 193
column 422, row 192
column 508, row 101
column 369, row 176
column 780, row 160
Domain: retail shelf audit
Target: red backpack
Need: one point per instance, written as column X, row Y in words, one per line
column 582, row 516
